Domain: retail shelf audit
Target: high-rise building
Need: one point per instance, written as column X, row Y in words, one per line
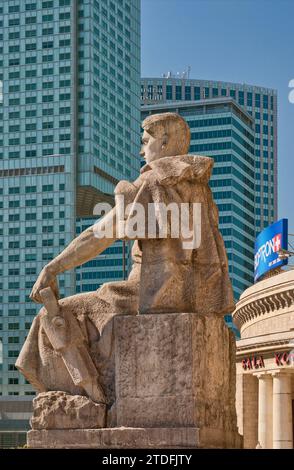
column 259, row 102
column 225, row 132
column 70, row 129
column 237, row 126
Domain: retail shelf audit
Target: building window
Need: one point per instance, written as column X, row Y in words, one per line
column 15, row 61
column 265, row 101
column 48, row 4
column 13, row 381
column 46, row 18
column 13, row 48
column 31, row 153
column 48, row 125
column 47, row 98
column 31, row 86
column 47, row 58
column 187, row 93
column 30, row 6
column 31, row 99
column 31, row 244
column 30, row 47
column 31, row 60
column 197, row 93
column 64, row 15
column 13, row 22
column 47, row 44
column 64, row 29
column 241, row 97
column 31, row 73
column 13, row 340
column 249, row 98
column 14, row 35
column 31, row 33
column 206, row 92
column 48, row 112
column 13, row 9
column 169, row 92
column 257, row 100
column 178, row 92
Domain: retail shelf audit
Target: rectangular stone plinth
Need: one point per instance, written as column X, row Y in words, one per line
column 175, row 382
column 174, row 370
column 133, row 438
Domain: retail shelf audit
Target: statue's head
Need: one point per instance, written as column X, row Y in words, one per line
column 164, row 135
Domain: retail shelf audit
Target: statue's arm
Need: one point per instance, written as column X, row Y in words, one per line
column 82, row 249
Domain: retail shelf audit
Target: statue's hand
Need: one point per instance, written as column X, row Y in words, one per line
column 45, row 279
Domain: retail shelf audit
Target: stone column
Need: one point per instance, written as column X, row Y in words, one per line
column 265, row 406
column 282, row 411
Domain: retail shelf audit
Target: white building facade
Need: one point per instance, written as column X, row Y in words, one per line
column 265, row 363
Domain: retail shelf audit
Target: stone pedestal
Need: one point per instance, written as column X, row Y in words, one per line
column 134, row 438
column 175, row 382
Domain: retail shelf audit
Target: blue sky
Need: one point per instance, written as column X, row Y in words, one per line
column 240, row 41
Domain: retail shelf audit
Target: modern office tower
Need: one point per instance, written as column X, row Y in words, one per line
column 223, row 130
column 259, row 102
column 237, row 126
column 70, row 129
column 112, row 265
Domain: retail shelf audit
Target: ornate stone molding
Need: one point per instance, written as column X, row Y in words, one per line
column 277, row 343
column 261, row 305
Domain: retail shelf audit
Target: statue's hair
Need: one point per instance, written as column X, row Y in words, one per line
column 171, row 124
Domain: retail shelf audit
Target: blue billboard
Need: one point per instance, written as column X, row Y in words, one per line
column 267, row 244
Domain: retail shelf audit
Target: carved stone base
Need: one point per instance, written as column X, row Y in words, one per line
column 59, row 410
column 175, row 385
column 134, row 438
column 174, row 370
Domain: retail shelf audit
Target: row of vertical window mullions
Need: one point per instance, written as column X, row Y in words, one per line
column 179, row 92
column 46, row 4
column 32, row 86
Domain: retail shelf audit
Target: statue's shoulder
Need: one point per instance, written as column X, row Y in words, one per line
column 169, row 171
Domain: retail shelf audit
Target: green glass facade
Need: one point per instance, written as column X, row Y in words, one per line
column 112, row 265
column 69, row 129
column 223, row 131
column 259, row 102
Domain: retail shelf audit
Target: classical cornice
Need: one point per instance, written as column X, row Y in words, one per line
column 264, row 299
column 265, row 346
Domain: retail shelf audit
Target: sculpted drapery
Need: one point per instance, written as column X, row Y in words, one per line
column 165, row 278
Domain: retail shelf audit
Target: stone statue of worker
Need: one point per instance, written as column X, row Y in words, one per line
column 165, row 277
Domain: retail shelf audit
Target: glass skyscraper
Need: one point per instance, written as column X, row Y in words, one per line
column 69, row 130
column 259, row 102
column 225, row 132
column 237, row 126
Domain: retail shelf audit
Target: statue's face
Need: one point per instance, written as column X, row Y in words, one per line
column 153, row 148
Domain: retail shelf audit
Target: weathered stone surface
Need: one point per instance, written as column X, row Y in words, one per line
column 128, row 344
column 175, row 370
column 132, row 438
column 59, row 410
column 173, row 271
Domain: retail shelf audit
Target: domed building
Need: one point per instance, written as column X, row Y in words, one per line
column 265, row 362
